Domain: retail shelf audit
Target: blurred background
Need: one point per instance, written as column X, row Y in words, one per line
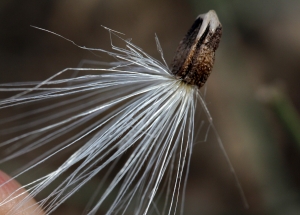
column 253, row 92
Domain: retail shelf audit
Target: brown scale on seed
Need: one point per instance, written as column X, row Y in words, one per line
column 195, row 54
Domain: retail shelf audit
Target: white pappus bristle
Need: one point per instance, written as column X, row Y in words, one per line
column 128, row 122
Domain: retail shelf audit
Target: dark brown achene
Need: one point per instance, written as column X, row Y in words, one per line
column 195, row 55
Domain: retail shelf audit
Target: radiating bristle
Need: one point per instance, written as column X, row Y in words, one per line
column 132, row 108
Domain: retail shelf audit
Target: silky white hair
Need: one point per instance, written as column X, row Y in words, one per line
column 128, row 121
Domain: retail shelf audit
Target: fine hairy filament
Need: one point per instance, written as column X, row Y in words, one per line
column 129, row 122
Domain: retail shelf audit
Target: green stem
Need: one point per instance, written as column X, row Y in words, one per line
column 285, row 111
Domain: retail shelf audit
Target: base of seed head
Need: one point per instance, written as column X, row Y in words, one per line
column 195, row 54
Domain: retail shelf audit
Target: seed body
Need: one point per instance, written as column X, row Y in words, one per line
column 195, row 55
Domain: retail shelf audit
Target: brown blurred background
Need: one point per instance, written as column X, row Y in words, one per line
column 257, row 64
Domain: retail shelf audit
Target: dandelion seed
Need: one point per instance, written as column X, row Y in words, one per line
column 130, row 123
